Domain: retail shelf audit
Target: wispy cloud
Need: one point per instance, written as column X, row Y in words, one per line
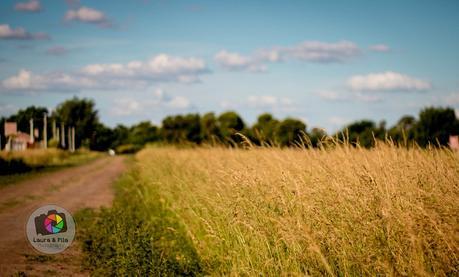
column 19, row 33
column 307, row 51
column 387, row 81
column 383, row 48
column 88, row 15
column 158, row 99
column 30, row 6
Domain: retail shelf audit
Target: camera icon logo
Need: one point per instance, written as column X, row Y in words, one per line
column 50, row 223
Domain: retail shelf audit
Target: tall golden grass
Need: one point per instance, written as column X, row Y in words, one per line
column 336, row 211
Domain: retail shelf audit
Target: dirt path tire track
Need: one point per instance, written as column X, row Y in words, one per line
column 73, row 188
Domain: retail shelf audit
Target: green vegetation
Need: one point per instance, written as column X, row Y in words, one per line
column 337, row 210
column 139, row 235
column 20, row 165
column 433, row 127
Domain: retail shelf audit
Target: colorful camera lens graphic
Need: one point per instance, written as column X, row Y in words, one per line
column 50, row 223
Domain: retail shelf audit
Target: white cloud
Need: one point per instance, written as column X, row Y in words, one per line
column 88, row 15
column 308, row 51
column 159, row 99
column 126, row 106
column 379, row 48
column 26, row 80
column 30, row 6
column 235, row 61
column 269, row 102
column 161, row 67
column 133, row 75
column 6, row 32
column 387, row 81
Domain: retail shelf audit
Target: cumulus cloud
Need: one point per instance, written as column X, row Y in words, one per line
column 308, row 51
column 334, row 96
column 161, row 68
column 159, row 99
column 19, row 33
column 57, row 50
column 30, row 6
column 235, row 61
column 269, row 101
column 88, row 15
column 26, row 80
column 387, row 81
column 134, row 75
column 379, row 48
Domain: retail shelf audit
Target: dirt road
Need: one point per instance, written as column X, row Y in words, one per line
column 73, row 188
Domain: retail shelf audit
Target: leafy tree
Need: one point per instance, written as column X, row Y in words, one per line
column 143, row 133
column 264, row 130
column 436, row 124
column 361, row 132
column 81, row 114
column 102, row 139
column 179, row 129
column 120, row 135
column 403, row 130
column 22, row 118
column 210, row 131
column 289, row 132
column 316, row 135
column 230, row 123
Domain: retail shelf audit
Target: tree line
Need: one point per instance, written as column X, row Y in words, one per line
column 433, row 126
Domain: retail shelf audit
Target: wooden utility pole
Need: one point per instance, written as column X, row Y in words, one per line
column 45, row 131
column 73, row 139
column 63, row 135
column 69, row 138
column 32, row 138
column 54, row 129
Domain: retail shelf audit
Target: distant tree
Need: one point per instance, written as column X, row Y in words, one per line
column 230, row 123
column 436, row 125
column 102, row 138
column 81, row 114
column 210, row 131
column 289, row 132
column 316, row 135
column 182, row 128
column 264, row 130
column 361, row 132
column 22, row 118
column 120, row 135
column 142, row 133
column 403, row 132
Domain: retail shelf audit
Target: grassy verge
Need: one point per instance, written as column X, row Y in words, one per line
column 337, row 211
column 22, row 165
column 138, row 235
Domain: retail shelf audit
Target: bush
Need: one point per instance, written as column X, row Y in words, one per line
column 12, row 166
column 128, row 148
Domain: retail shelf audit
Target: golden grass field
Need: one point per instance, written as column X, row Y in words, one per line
column 336, row 211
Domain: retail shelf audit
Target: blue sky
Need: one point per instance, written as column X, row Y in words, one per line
column 325, row 62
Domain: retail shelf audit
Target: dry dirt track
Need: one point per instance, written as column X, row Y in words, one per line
column 73, row 188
